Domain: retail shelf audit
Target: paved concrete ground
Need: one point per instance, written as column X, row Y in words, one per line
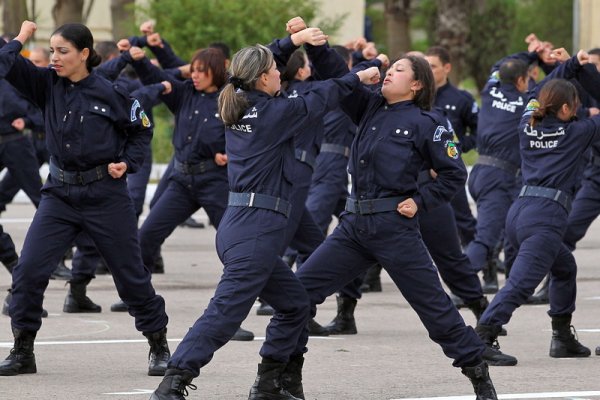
column 102, row 357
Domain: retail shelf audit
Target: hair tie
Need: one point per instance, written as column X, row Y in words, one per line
column 237, row 82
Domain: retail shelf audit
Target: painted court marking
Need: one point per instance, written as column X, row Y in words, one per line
column 547, row 395
column 119, row 341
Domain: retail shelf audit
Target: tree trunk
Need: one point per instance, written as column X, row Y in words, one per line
column 397, row 21
column 14, row 13
column 452, row 32
column 66, row 11
column 122, row 17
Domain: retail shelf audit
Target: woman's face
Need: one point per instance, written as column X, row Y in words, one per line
column 202, row 78
column 273, row 82
column 68, row 61
column 399, row 83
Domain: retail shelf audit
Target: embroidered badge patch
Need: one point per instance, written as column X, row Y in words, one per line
column 437, row 136
column 532, row 105
column 451, row 149
column 145, row 120
column 134, row 107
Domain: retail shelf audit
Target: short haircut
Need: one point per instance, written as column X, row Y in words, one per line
column 511, row 70
column 439, row 52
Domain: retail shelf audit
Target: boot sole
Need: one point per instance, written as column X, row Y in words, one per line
column 28, row 370
column 503, row 363
column 80, row 311
column 568, row 355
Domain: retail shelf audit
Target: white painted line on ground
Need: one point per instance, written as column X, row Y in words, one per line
column 123, row 341
column 135, row 391
column 547, row 395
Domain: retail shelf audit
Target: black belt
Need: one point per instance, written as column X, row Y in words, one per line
column 78, row 177
column 374, row 206
column 194, row 169
column 498, row 163
column 548, row 193
column 305, row 157
column 260, row 201
column 335, row 148
column 10, row 137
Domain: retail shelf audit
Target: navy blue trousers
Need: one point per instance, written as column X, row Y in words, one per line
column 465, row 222
column 585, row 209
column 9, row 186
column 535, row 226
column 184, row 195
column 493, row 190
column 87, row 258
column 138, row 181
column 302, row 233
column 329, row 189
column 7, row 247
column 248, row 243
column 439, row 232
column 18, row 157
column 394, row 242
column 104, row 210
column 163, row 183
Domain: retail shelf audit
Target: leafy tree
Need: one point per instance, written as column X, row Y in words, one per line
column 489, row 39
column 192, row 24
column 550, row 20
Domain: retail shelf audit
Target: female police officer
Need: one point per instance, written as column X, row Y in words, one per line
column 379, row 225
column 95, row 134
column 551, row 145
column 260, row 149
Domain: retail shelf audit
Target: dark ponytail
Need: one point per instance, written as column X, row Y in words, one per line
column 552, row 96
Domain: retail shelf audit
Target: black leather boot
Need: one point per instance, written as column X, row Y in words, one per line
column 343, row 323
column 490, row 277
column 564, row 342
column 492, row 354
column 243, row 335
column 61, row 272
column 542, row 296
column 478, row 306
column 21, row 359
column 119, row 306
column 480, row 378
column 372, row 281
column 174, row 385
column 268, row 385
column 159, row 354
column 264, row 308
column 6, row 304
column 11, row 262
column 76, row 300
column 291, row 378
column 315, row 329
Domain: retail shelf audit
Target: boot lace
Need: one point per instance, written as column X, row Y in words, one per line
column 183, row 389
column 573, row 333
column 495, row 345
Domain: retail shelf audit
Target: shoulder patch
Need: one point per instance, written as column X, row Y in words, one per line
column 439, row 131
column 495, row 76
column 134, row 108
column 451, row 149
column 145, row 120
column 532, row 105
